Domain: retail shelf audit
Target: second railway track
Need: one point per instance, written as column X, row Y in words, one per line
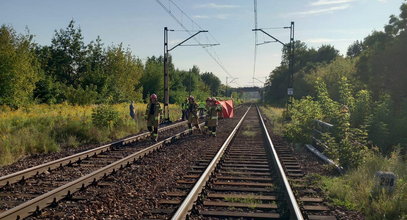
column 28, row 191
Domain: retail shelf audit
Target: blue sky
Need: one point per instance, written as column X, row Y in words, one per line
column 138, row 24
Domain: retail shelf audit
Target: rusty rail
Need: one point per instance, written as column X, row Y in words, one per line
column 38, row 203
column 32, row 171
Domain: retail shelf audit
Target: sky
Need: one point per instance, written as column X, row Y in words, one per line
column 139, row 24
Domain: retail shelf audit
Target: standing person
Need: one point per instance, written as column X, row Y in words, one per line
column 213, row 116
column 184, row 108
column 132, row 112
column 152, row 116
column 192, row 114
column 207, row 107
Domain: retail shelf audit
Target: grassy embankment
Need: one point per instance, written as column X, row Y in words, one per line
column 275, row 117
column 354, row 189
column 48, row 128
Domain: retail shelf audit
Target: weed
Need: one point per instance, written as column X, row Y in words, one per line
column 47, row 128
column 354, row 190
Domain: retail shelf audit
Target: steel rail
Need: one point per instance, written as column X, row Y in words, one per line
column 35, row 205
column 32, row 171
column 292, row 202
column 192, row 196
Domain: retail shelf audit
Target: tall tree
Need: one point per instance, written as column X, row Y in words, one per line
column 212, row 82
column 124, row 73
column 19, row 68
column 68, row 52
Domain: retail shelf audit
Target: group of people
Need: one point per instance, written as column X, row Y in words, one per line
column 190, row 112
column 191, row 109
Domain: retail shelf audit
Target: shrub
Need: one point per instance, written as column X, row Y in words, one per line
column 105, row 116
column 303, row 112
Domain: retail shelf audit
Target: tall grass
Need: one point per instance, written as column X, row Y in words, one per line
column 48, row 128
column 275, row 116
column 354, row 190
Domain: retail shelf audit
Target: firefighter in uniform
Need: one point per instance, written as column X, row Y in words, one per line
column 152, row 116
column 192, row 114
column 207, row 107
column 213, row 116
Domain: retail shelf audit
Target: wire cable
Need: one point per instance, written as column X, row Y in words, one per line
column 217, row 60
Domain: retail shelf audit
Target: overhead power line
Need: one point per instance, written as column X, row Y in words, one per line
column 212, row 55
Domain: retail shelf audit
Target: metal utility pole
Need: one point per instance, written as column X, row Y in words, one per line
column 166, row 54
column 291, row 53
column 290, row 90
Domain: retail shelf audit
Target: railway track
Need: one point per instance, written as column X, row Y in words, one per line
column 28, row 191
column 244, row 179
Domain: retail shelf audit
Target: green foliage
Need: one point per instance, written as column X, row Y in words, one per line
column 328, row 106
column 81, row 96
column 378, row 124
column 19, row 69
column 67, row 60
column 346, row 94
column 362, row 109
column 275, row 118
column 47, row 128
column 302, row 112
column 105, row 116
column 355, row 49
column 353, row 190
column 212, row 82
column 124, row 73
column 306, row 60
column 152, row 79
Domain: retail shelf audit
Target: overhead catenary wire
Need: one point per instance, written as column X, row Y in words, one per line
column 214, row 57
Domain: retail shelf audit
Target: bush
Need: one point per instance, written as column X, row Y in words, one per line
column 105, row 116
column 303, row 112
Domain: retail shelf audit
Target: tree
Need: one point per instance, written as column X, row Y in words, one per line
column 152, row 80
column 19, row 68
column 212, row 82
column 124, row 73
column 67, row 61
column 355, row 49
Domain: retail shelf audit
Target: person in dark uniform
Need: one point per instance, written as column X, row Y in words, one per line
column 132, row 111
column 153, row 112
column 207, row 107
column 213, row 112
column 192, row 114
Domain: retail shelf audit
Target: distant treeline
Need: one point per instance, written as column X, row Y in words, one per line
column 70, row 71
column 371, row 81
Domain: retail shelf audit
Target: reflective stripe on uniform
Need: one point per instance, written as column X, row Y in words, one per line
column 155, row 135
column 214, row 117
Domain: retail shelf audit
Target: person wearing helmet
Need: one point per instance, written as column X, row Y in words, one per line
column 207, row 107
column 213, row 112
column 192, row 113
column 152, row 116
